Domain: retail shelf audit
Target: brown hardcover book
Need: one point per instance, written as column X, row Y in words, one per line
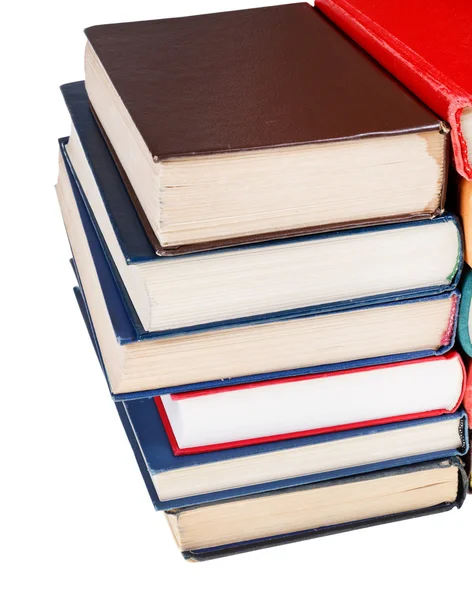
column 256, row 124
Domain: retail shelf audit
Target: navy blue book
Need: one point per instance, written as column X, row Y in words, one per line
column 316, row 274
column 140, row 364
column 178, row 481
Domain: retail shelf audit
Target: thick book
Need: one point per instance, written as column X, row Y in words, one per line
column 299, row 513
column 408, row 259
column 261, row 123
column 235, row 416
column 146, row 364
column 426, row 44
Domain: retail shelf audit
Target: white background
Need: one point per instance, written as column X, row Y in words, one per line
column 76, row 521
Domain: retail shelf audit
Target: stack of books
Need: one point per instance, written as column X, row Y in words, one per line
column 256, row 215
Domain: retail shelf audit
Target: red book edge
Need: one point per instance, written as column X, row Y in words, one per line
column 418, row 75
column 177, row 451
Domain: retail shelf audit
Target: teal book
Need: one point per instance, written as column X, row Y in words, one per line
column 465, row 320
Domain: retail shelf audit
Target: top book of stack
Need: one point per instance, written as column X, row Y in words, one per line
column 259, row 124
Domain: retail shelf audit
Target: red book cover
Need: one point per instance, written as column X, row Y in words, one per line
column 465, row 395
column 427, row 45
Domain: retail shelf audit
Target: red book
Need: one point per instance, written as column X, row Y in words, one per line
column 427, row 45
column 243, row 415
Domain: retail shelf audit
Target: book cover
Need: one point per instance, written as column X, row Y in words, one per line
column 120, row 406
column 427, row 46
column 128, row 331
column 265, row 51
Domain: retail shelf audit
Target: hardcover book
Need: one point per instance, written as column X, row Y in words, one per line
column 304, row 343
column 427, row 46
column 218, row 529
column 256, row 124
column 207, row 420
column 322, row 271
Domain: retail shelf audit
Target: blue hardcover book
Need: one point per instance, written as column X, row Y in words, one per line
column 146, row 364
column 177, row 481
column 251, row 282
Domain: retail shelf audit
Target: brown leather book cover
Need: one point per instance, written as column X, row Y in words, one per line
column 268, row 77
